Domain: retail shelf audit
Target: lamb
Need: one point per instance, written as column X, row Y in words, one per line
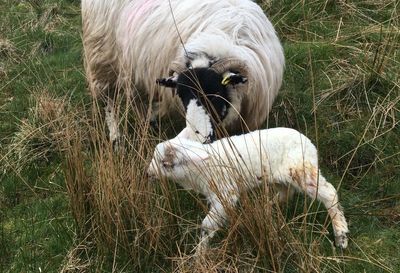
column 220, row 56
column 279, row 156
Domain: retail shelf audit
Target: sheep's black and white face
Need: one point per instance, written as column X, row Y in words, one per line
column 205, row 98
column 205, row 88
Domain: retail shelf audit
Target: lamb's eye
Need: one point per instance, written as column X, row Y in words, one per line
column 168, row 164
column 197, row 132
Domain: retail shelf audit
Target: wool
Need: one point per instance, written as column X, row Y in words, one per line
column 128, row 44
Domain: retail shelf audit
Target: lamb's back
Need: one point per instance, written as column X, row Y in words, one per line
column 276, row 147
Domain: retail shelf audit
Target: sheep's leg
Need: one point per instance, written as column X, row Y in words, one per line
column 155, row 114
column 316, row 186
column 112, row 122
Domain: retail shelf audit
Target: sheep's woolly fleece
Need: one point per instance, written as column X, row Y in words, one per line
column 132, row 43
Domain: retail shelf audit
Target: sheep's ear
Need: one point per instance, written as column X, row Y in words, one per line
column 167, row 82
column 232, row 78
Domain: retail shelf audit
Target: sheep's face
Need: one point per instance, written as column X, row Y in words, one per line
column 199, row 126
column 205, row 86
column 205, row 89
column 176, row 159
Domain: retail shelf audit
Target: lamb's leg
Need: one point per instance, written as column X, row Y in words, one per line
column 316, row 186
column 328, row 195
column 215, row 219
column 285, row 193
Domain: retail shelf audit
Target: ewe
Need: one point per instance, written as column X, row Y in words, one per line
column 279, row 156
column 222, row 57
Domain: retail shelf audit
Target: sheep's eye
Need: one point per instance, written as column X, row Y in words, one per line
column 197, row 132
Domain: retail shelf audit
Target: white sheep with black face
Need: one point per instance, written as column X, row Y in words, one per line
column 220, row 57
column 220, row 170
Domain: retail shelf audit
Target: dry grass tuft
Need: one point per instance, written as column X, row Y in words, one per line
column 7, row 49
column 3, row 71
column 41, row 135
column 154, row 225
column 111, row 198
column 78, row 259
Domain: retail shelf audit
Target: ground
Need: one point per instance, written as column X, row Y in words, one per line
column 341, row 89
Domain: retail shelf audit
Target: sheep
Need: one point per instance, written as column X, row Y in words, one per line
column 220, row 55
column 280, row 156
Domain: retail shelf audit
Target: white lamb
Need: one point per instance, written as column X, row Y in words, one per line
column 279, row 156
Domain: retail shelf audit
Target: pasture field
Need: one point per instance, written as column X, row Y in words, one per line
column 70, row 203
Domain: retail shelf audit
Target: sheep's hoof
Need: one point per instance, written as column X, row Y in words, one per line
column 341, row 241
column 154, row 124
column 116, row 145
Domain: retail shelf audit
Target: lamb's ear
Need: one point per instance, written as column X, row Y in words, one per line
column 169, row 156
column 195, row 155
column 167, row 82
column 232, row 78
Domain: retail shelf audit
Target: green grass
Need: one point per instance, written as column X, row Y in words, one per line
column 341, row 88
column 42, row 52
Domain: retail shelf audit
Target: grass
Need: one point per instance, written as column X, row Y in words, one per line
column 62, row 210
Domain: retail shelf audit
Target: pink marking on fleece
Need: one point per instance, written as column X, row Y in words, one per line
column 136, row 14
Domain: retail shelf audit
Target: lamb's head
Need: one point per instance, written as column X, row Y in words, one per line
column 210, row 91
column 177, row 158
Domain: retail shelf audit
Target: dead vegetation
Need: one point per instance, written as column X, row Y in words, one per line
column 349, row 104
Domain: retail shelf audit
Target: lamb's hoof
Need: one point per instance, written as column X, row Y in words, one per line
column 341, row 241
column 200, row 251
column 201, row 248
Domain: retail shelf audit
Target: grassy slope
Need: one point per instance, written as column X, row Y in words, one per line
column 345, row 56
column 40, row 51
column 342, row 61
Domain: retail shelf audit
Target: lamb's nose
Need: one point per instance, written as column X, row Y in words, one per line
column 150, row 176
